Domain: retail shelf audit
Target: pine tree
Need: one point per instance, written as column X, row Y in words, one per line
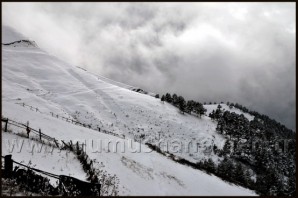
column 189, row 106
column 201, row 110
column 239, row 174
column 182, row 104
column 168, row 98
column 175, row 100
column 227, row 148
column 291, row 186
column 276, row 188
column 268, row 183
column 218, row 113
column 225, row 169
column 261, row 184
column 247, row 178
column 215, row 149
column 231, row 105
column 162, row 98
column 209, row 165
column 212, row 115
column 220, row 126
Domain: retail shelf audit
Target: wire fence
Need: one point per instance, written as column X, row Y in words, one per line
column 67, row 183
column 68, row 146
column 30, row 129
column 72, row 121
column 35, row 169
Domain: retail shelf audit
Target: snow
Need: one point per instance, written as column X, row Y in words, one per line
column 140, row 173
column 225, row 107
column 33, row 77
column 41, row 156
column 10, row 35
column 104, row 105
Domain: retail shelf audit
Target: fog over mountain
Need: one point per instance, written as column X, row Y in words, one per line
column 237, row 52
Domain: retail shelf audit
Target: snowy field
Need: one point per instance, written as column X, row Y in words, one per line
column 33, row 77
column 43, row 157
column 140, row 171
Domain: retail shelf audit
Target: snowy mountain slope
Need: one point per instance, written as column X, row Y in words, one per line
column 28, row 75
column 123, row 85
column 42, row 157
column 10, row 35
column 140, row 173
column 119, row 84
column 32, row 76
column 21, row 43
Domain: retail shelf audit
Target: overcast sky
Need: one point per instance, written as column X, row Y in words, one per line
column 238, row 52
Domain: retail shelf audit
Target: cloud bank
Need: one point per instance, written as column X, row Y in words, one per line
column 237, row 52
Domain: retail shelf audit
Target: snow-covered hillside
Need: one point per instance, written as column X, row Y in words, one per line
column 10, row 35
column 42, row 157
column 33, row 77
column 28, row 75
column 119, row 84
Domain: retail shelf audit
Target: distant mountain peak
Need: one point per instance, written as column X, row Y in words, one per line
column 21, row 43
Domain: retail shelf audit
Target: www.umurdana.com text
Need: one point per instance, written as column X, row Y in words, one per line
column 129, row 145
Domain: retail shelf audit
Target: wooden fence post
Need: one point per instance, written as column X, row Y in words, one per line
column 27, row 129
column 6, row 122
column 71, row 148
column 56, row 143
column 8, row 165
column 77, row 145
column 39, row 134
column 82, row 147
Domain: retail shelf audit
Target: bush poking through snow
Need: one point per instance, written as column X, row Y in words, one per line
column 109, row 183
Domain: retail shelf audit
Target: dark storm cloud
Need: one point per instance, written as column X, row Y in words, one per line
column 242, row 52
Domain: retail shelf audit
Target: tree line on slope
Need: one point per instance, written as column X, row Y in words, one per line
column 263, row 145
column 256, row 164
column 228, row 169
column 184, row 106
column 267, row 121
